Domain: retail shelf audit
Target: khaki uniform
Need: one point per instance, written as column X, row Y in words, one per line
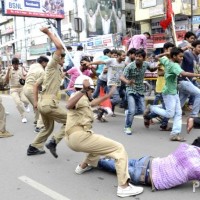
column 35, row 72
column 48, row 104
column 16, row 90
column 81, row 138
column 3, row 132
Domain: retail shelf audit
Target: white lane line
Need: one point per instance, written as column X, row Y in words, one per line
column 54, row 195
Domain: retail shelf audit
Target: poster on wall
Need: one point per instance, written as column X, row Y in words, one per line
column 104, row 17
column 34, row 8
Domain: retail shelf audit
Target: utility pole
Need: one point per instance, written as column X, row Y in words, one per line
column 59, row 27
column 192, row 13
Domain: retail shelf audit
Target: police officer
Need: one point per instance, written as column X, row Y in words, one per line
column 80, row 137
column 13, row 76
column 3, row 132
column 48, row 102
column 35, row 72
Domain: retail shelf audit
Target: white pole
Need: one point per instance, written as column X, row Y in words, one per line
column 174, row 31
column 56, row 33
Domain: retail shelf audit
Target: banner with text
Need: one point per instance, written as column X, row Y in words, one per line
column 34, row 8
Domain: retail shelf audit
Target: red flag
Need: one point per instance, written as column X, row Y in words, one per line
column 169, row 12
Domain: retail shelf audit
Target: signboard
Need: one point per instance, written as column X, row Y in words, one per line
column 34, row 8
column 105, row 41
column 195, row 20
column 149, row 44
column 161, row 37
column 147, row 3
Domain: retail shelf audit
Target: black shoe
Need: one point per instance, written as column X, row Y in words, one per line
column 51, row 145
column 34, row 151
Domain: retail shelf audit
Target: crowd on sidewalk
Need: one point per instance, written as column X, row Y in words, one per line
column 115, row 78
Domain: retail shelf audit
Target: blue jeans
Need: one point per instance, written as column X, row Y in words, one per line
column 187, row 88
column 66, row 82
column 115, row 98
column 159, row 98
column 135, row 167
column 70, row 92
column 100, row 83
column 135, row 107
column 173, row 110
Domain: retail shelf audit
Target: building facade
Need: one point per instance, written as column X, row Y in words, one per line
column 22, row 38
column 154, row 11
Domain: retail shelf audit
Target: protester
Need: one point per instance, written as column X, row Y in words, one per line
column 78, row 55
column 102, row 73
column 133, row 77
column 139, row 41
column 179, row 167
column 198, row 33
column 186, row 44
column 81, row 138
column 189, row 38
column 160, row 83
column 115, row 69
column 74, row 72
column 188, row 86
column 130, row 56
column 68, row 65
column 170, row 93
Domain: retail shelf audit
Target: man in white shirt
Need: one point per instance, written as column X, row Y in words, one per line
column 92, row 18
column 119, row 20
column 106, row 23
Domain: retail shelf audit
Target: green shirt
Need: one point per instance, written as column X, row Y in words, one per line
column 131, row 72
column 172, row 71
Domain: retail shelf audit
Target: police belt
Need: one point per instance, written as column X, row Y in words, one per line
column 49, row 96
column 16, row 87
column 79, row 128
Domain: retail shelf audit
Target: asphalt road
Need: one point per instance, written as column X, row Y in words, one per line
column 45, row 178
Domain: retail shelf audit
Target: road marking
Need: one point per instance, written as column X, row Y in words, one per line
column 54, row 195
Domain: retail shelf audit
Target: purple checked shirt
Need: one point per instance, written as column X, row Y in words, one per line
column 137, row 42
column 181, row 166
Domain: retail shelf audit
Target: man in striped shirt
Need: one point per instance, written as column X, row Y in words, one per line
column 179, row 167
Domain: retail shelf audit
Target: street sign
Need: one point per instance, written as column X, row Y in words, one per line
column 78, row 24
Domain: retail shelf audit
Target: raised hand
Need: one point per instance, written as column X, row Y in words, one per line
column 44, row 30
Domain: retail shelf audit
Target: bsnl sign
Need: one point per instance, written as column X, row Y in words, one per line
column 16, row 5
column 34, row 8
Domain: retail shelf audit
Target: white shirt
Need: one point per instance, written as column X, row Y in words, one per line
column 115, row 70
column 106, row 26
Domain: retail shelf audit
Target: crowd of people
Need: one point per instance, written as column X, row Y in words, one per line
column 120, row 75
